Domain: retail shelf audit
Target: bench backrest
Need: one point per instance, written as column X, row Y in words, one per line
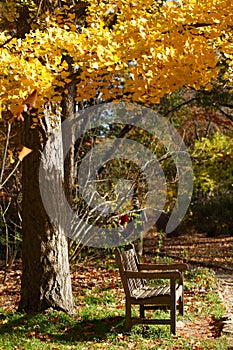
column 127, row 261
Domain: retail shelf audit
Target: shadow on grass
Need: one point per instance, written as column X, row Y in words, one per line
column 61, row 328
column 96, row 329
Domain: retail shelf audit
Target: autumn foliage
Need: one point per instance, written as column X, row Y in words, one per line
column 120, row 50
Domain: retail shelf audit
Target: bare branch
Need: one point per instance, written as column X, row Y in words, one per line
column 179, row 106
column 5, row 151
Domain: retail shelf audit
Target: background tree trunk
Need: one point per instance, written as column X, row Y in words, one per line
column 68, row 112
column 46, row 281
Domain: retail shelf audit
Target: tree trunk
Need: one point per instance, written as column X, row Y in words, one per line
column 46, row 282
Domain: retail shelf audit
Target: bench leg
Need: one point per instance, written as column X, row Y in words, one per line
column 181, row 306
column 142, row 311
column 128, row 316
column 173, row 318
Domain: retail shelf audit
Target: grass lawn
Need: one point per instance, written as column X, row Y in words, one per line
column 98, row 322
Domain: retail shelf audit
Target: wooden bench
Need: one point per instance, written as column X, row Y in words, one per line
column 149, row 297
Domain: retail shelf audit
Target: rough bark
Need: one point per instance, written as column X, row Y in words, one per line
column 46, row 282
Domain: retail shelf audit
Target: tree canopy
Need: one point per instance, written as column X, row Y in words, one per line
column 113, row 50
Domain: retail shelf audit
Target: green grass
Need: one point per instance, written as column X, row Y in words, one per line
column 99, row 323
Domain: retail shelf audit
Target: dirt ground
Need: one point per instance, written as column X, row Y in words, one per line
column 196, row 249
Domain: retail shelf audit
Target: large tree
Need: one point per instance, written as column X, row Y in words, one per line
column 71, row 51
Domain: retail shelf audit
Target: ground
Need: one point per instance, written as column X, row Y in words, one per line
column 196, row 250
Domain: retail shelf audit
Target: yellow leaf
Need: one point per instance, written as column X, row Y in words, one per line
column 209, row 87
column 71, row 16
column 24, row 152
column 100, row 50
column 31, row 99
column 95, row 65
column 10, row 153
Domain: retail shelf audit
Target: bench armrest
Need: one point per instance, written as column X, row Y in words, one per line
column 164, row 267
column 153, row 275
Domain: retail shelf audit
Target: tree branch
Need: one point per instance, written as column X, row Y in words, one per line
column 229, row 116
column 179, row 106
